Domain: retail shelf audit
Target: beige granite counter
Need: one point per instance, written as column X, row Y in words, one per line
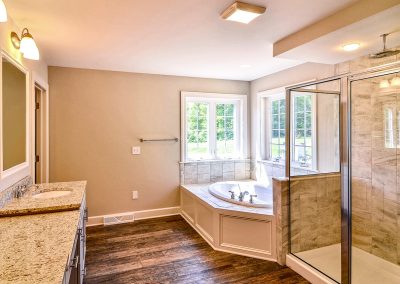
column 34, row 248
column 27, row 204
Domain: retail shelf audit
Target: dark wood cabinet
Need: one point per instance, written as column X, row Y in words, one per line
column 75, row 267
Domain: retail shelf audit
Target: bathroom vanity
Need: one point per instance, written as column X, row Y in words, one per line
column 42, row 237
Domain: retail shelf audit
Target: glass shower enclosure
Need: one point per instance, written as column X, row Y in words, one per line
column 343, row 164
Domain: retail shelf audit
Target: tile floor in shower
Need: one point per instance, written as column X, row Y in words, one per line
column 367, row 268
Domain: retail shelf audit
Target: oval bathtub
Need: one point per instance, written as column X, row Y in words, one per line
column 222, row 190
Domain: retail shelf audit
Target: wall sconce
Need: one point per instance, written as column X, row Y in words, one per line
column 25, row 44
column 3, row 12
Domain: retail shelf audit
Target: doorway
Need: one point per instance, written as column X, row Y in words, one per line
column 41, row 134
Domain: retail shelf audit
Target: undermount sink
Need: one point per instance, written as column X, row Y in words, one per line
column 52, row 194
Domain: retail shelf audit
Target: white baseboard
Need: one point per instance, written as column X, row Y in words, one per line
column 308, row 272
column 138, row 215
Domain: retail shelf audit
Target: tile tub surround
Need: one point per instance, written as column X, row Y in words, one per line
column 315, row 211
column 229, row 227
column 8, row 194
column 34, row 248
column 201, row 172
column 28, row 205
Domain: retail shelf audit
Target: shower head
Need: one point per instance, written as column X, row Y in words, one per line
column 385, row 52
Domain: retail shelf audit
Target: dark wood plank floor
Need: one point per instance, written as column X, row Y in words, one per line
column 168, row 250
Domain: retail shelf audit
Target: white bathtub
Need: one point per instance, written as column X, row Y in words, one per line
column 263, row 199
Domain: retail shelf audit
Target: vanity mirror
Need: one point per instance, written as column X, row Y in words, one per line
column 14, row 117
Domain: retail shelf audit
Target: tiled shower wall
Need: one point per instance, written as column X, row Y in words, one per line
column 214, row 171
column 314, row 211
column 375, row 168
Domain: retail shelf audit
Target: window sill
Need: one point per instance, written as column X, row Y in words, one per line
column 284, row 164
column 214, row 161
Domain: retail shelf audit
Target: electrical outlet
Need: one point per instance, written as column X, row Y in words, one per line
column 135, row 150
column 135, row 194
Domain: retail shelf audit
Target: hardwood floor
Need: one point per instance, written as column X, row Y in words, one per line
column 168, row 250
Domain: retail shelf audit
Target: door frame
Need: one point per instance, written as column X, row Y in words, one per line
column 39, row 82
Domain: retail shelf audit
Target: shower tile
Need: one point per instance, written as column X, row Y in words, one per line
column 240, row 170
column 203, row 178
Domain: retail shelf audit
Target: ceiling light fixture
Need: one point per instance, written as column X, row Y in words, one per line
column 242, row 12
column 26, row 44
column 351, row 46
column 3, row 12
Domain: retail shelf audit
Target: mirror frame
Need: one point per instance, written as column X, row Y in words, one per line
column 25, row 165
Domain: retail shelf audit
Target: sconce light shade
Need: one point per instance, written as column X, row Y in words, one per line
column 3, row 12
column 26, row 45
column 395, row 82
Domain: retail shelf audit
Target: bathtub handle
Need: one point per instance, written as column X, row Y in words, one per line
column 232, row 194
column 251, row 197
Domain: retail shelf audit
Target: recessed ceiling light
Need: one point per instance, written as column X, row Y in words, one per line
column 245, row 65
column 351, row 46
column 242, row 12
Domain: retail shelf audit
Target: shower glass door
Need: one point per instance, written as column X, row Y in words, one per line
column 313, row 165
column 375, row 178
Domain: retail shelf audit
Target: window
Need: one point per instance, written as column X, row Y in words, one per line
column 213, row 126
column 272, row 124
column 277, row 141
column 302, row 130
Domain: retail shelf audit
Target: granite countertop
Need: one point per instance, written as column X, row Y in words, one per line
column 27, row 204
column 35, row 248
column 201, row 191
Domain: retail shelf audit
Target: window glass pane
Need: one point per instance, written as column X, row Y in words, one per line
column 275, row 121
column 299, row 137
column 220, row 110
column 299, row 121
column 282, row 121
column 282, row 106
column 229, row 109
column 275, row 134
column 299, row 104
column 282, row 152
column 226, row 136
column 282, row 136
column 275, row 151
column 197, row 130
column 275, row 107
column 307, row 99
column 308, row 120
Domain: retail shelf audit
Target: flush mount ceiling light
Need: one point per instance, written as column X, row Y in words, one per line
column 351, row 46
column 3, row 12
column 26, row 44
column 242, row 12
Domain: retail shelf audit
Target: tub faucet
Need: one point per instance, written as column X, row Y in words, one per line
column 232, row 194
column 242, row 194
column 251, row 197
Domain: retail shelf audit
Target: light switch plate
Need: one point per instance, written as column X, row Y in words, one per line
column 135, row 150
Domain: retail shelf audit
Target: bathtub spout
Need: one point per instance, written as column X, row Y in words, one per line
column 242, row 195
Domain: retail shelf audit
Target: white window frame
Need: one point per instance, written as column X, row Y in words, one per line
column 214, row 98
column 264, row 127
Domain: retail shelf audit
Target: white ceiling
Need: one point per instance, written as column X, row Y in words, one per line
column 328, row 48
column 172, row 37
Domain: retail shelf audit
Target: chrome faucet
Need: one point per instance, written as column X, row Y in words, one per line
column 251, row 197
column 242, row 194
column 232, row 194
column 19, row 191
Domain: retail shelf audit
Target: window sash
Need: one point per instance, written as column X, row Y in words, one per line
column 238, row 128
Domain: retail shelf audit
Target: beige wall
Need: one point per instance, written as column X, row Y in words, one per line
column 95, row 118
